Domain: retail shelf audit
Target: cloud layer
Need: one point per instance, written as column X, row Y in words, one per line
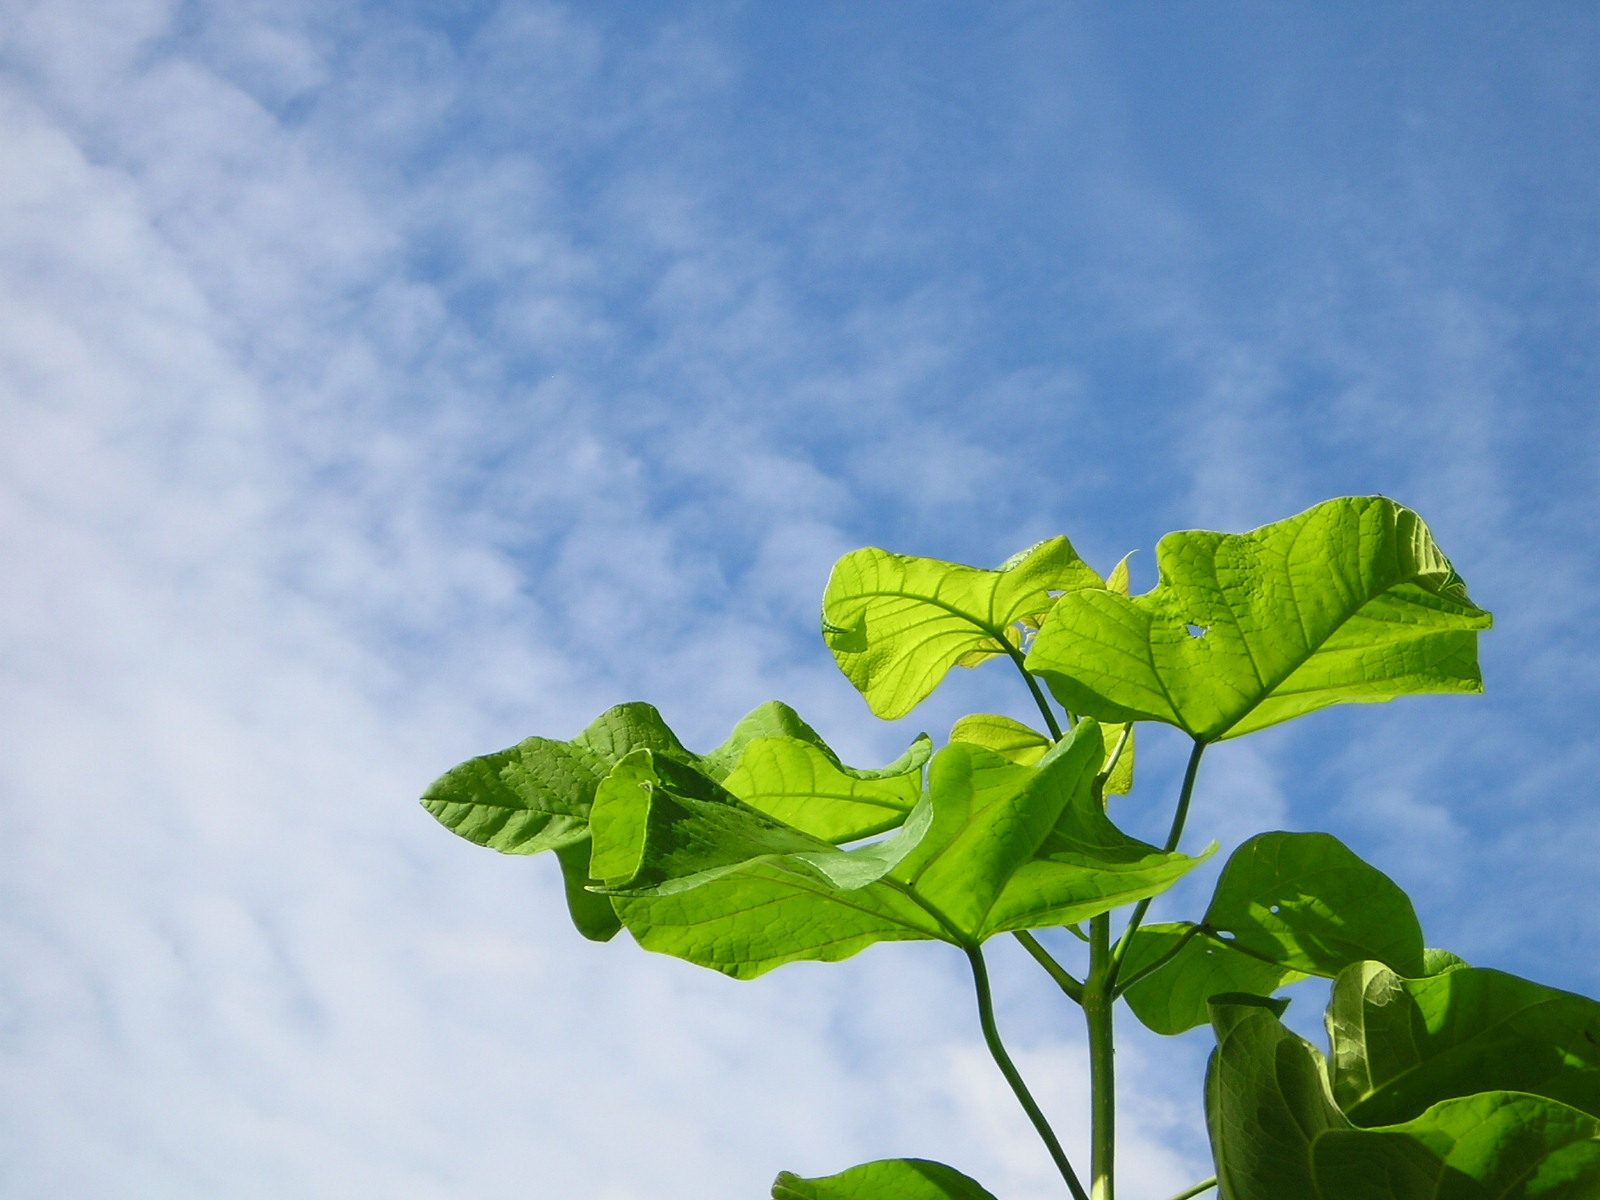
column 382, row 384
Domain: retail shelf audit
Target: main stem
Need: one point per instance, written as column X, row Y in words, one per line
column 991, row 1035
column 1099, row 1002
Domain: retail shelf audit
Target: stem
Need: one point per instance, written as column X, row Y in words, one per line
column 1174, row 836
column 1149, row 969
column 1098, row 1010
column 1205, row 1185
column 1055, row 970
column 1033, row 686
column 991, row 1035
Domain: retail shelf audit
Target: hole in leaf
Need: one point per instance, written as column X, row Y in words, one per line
column 1054, row 593
column 1225, row 935
column 1197, row 631
column 1276, row 908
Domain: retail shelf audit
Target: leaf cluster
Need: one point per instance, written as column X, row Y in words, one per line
column 1441, row 1078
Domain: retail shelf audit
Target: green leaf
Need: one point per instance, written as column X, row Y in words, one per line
column 1019, row 743
column 1351, row 601
column 896, row 625
column 696, row 873
column 1267, row 1102
column 1013, row 847
column 1011, row 740
column 1276, row 1132
column 536, row 795
column 804, row 785
column 1492, row 1146
column 889, row 1179
column 593, row 915
column 775, row 719
column 1401, row 1045
column 1176, row 997
column 1305, row 902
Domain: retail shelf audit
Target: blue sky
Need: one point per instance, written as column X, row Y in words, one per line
column 383, row 383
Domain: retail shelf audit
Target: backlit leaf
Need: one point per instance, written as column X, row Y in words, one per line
column 1019, row 743
column 1400, row 1045
column 896, row 624
column 1351, row 601
column 995, row 846
column 1176, row 997
column 804, row 785
column 889, row 1179
column 1305, row 902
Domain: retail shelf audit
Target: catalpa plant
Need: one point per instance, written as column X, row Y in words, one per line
column 1440, row 1079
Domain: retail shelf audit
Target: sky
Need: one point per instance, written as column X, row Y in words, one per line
column 381, row 384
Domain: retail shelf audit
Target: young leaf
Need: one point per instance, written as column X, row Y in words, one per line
column 1013, row 847
column 1176, row 997
column 896, row 625
column 1401, row 1045
column 1276, row 1132
column 1018, row 743
column 1351, row 601
column 1305, row 902
column 776, row 719
column 805, row 786
column 889, row 1179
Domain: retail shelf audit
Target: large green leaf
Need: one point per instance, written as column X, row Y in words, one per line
column 1023, row 744
column 1305, row 902
column 1351, row 601
column 1277, row 1134
column 1267, row 1103
column 896, row 625
column 888, row 1179
column 1491, row 1146
column 995, row 846
column 1400, row 1045
column 1176, row 996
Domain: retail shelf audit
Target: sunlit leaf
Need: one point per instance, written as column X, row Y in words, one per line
column 1176, row 997
column 1401, row 1045
column 995, row 846
column 889, row 1179
column 804, row 785
column 536, row 795
column 1019, row 743
column 896, row 625
column 1351, row 601
column 1305, row 902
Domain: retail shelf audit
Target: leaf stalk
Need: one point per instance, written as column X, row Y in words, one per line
column 991, row 1036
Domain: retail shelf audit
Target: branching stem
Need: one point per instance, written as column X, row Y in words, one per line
column 1038, row 696
column 1063, row 977
column 991, row 1035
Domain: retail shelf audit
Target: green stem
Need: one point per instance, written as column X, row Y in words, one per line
column 1205, row 1185
column 991, row 1035
column 1033, row 686
column 1174, row 836
column 1055, row 970
column 1098, row 1010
